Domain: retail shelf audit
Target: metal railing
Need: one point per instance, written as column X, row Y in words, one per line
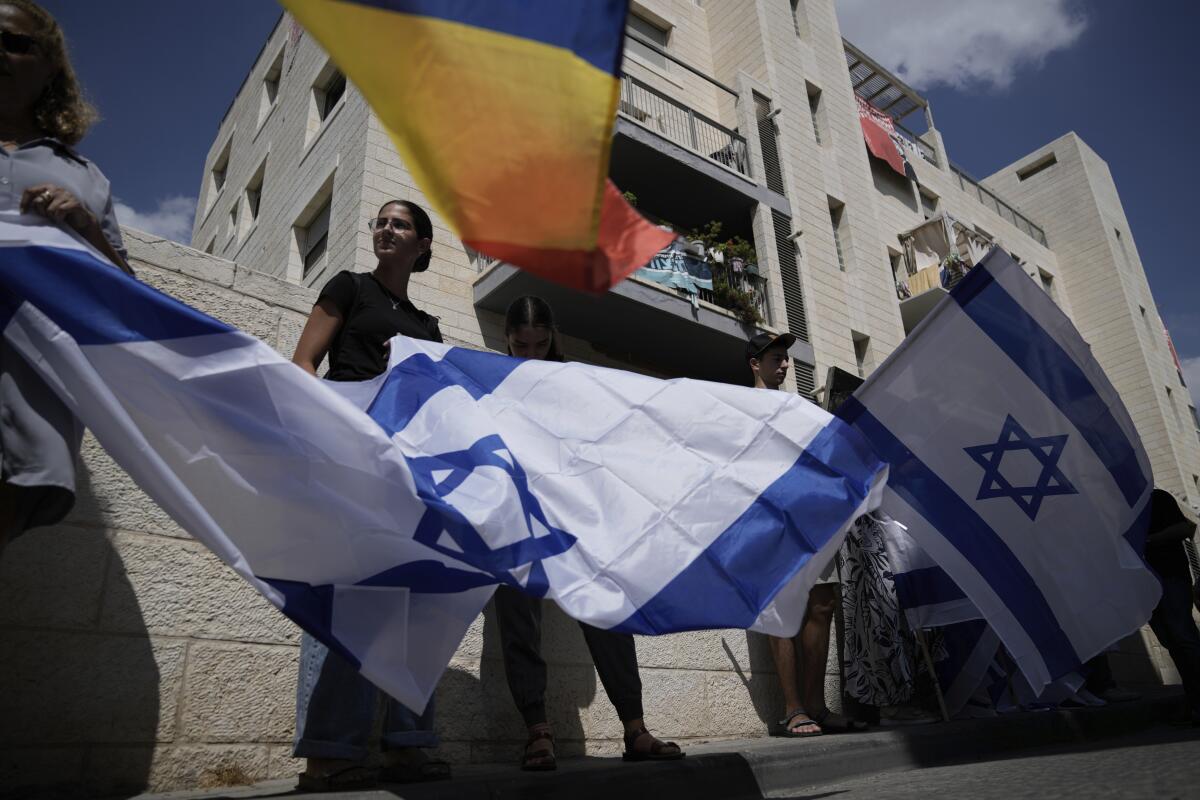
column 683, row 125
column 992, row 201
column 924, row 148
column 746, row 282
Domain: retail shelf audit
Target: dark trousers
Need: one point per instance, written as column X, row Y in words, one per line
column 614, row 654
column 1172, row 623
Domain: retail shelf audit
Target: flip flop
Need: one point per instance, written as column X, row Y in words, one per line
column 420, row 769
column 785, row 726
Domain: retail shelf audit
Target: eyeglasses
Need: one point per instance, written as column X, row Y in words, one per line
column 395, row 223
column 17, row 43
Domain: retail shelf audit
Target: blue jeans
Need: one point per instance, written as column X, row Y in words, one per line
column 335, row 710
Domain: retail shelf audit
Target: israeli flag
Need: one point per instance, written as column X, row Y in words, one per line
column 1016, row 468
column 637, row 504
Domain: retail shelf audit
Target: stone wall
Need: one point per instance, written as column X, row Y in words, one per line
column 133, row 658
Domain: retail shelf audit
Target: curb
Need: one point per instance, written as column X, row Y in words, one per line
column 751, row 769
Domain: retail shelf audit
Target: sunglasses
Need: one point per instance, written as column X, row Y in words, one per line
column 17, row 43
column 395, row 223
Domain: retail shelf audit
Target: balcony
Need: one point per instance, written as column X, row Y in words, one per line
column 682, row 125
column 992, row 201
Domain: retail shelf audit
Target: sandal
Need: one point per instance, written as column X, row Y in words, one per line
column 414, row 766
column 657, row 751
column 787, row 724
column 355, row 776
column 838, row 723
column 540, row 759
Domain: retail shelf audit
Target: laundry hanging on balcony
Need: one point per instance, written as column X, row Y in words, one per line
column 503, row 111
column 674, row 266
column 881, row 136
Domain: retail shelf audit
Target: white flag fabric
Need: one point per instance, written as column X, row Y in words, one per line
column 637, row 504
column 1016, row 468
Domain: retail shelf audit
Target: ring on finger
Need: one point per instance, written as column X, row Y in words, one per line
column 45, row 197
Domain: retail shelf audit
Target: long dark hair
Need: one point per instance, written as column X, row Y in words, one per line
column 424, row 230
column 531, row 310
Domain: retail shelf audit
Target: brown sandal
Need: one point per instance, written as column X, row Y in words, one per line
column 542, row 759
column 658, row 750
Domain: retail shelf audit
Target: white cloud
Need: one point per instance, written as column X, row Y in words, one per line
column 1191, row 374
column 172, row 219
column 960, row 43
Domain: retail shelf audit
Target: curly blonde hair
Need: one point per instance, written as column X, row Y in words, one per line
column 62, row 111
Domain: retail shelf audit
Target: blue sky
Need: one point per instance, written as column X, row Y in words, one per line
column 1003, row 77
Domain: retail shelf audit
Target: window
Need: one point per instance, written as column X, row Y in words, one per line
column 929, row 203
column 212, row 246
column 333, row 91
column 896, row 262
column 1195, row 420
column 1174, row 408
column 1124, row 250
column 1033, row 169
column 837, row 215
column 270, row 87
column 233, row 219
column 862, row 345
column 1047, row 282
column 314, row 240
column 816, row 112
column 800, row 18
column 253, row 197
column 216, row 175
column 651, row 32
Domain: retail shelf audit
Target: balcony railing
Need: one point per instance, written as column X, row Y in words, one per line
column 747, row 283
column 683, row 125
column 924, row 148
column 1006, row 212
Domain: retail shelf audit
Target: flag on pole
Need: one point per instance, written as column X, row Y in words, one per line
column 503, row 110
column 636, row 504
column 1017, row 469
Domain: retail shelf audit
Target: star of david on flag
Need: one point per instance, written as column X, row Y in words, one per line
column 1046, row 450
column 1046, row 544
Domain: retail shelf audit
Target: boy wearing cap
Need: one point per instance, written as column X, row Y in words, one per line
column 768, row 358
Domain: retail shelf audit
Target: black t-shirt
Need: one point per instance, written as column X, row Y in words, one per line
column 1168, row 559
column 371, row 315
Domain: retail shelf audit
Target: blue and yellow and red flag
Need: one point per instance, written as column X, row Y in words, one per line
column 503, row 111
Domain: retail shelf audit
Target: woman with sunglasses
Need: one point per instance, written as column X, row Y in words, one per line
column 354, row 317
column 530, row 332
column 42, row 116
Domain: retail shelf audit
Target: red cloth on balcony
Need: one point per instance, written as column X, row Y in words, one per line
column 878, row 130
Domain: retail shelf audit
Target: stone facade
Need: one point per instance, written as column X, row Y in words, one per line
column 134, row 658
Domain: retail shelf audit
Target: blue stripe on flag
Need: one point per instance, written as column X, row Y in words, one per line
column 730, row 582
column 957, row 522
column 416, row 379
column 1053, row 371
column 926, row 586
column 591, row 30
column 94, row 301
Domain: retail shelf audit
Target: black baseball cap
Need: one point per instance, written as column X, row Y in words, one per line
column 764, row 341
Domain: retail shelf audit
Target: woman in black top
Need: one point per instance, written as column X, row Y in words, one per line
column 530, row 332
column 357, row 313
column 353, row 319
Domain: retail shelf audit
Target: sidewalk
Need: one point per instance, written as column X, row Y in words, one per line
column 755, row 768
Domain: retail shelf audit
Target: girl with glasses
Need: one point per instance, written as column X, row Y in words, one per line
column 354, row 317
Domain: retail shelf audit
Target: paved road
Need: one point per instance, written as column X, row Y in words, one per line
column 1163, row 765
